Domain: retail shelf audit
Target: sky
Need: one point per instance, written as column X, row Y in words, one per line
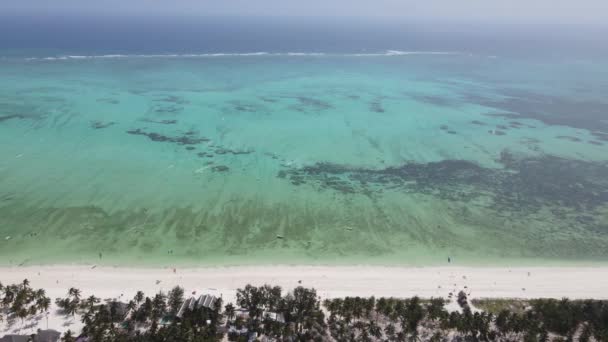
column 573, row 12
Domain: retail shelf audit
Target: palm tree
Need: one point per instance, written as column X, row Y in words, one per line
column 131, row 306
column 43, row 305
column 86, row 318
column 74, row 292
column 91, row 301
column 9, row 295
column 113, row 310
column 390, row 331
column 139, row 297
column 438, row 337
column 229, row 311
column 25, row 283
column 435, row 310
column 67, row 337
column 252, row 299
column 374, row 330
column 40, row 293
column 176, row 299
column 158, row 306
column 71, row 308
column 22, row 313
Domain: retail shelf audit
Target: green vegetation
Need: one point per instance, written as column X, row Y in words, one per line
column 496, row 305
column 266, row 313
column 21, row 301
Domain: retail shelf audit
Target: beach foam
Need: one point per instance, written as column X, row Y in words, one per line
column 388, row 53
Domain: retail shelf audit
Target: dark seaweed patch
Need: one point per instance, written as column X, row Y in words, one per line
column 551, row 110
column 205, row 155
column 101, row 124
column 223, row 150
column 138, row 91
column 437, row 100
column 180, row 140
column 247, row 108
column 451, row 132
column 504, row 115
column 569, row 138
column 173, row 99
column 525, row 184
column 503, row 127
column 190, row 148
column 308, row 104
column 271, row 155
column 376, row 106
column 597, row 143
column 108, row 101
column 516, row 124
column 444, row 127
column 11, row 116
column 549, row 179
column 316, row 104
column 476, row 122
column 220, row 168
column 531, row 144
column 268, row 99
column 162, row 122
column 600, row 135
column 167, row 109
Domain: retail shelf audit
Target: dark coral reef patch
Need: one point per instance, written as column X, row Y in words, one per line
column 524, row 183
column 185, row 139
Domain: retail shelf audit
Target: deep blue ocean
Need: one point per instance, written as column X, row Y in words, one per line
column 88, row 35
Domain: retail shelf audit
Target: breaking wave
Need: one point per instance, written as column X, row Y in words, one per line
column 388, row 53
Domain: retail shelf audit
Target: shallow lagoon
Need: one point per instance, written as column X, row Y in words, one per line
column 335, row 159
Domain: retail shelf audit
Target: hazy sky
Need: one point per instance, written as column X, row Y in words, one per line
column 562, row 11
column 513, row 11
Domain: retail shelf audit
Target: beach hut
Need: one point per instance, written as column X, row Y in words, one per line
column 47, row 336
column 183, row 308
column 16, row 338
column 42, row 336
column 192, row 304
column 206, row 301
column 277, row 317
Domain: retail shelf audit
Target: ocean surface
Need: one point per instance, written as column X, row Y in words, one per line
column 395, row 152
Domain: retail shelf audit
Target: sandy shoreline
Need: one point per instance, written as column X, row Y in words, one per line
column 330, row 281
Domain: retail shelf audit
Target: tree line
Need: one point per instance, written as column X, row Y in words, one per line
column 267, row 312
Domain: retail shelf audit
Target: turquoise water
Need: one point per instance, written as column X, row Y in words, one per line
column 230, row 159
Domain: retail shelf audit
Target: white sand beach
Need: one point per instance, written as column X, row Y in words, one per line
column 329, row 281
